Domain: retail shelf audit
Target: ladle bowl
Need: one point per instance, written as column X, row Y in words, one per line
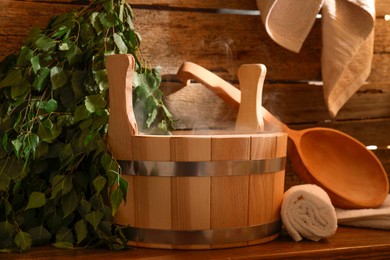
column 351, row 174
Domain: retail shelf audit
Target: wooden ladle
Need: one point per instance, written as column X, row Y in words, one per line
column 351, row 174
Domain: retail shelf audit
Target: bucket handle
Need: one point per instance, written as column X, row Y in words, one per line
column 120, row 69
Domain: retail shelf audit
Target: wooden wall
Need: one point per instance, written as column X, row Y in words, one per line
column 221, row 35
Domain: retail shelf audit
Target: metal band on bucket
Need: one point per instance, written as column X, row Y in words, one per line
column 202, row 169
column 204, row 237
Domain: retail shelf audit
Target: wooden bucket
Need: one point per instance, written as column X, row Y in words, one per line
column 194, row 190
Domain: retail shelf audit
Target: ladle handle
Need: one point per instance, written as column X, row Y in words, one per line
column 222, row 88
column 189, row 71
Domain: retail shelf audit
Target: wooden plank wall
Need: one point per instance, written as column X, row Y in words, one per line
column 221, row 35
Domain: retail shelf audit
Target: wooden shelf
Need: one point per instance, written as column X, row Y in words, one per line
column 347, row 243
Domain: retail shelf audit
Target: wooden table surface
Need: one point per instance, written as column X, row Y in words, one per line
column 347, row 243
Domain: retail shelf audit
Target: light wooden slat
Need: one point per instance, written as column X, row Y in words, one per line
column 191, row 203
column 293, row 103
column 297, row 103
column 153, row 202
column 382, row 6
column 222, row 48
column 229, row 194
column 153, row 148
column 190, row 149
column 172, row 37
column 230, row 147
column 260, row 201
column 215, row 4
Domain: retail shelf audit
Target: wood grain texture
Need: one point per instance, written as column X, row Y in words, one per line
column 216, row 4
column 230, row 148
column 181, row 37
column 267, row 147
column 229, row 203
column 191, row 203
column 190, row 148
column 150, row 148
column 347, row 243
column 153, row 202
column 284, row 101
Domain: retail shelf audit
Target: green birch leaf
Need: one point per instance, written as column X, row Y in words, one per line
column 58, row 77
column 64, row 234
column 14, row 77
column 41, row 79
column 45, row 43
column 24, row 56
column 95, row 102
column 67, row 184
column 66, row 155
column 7, row 233
column 23, row 241
column 81, row 230
column 94, row 218
column 99, row 182
column 69, row 203
column 63, row 245
column 120, row 43
column 54, row 222
column 108, row 20
column 36, row 200
column 84, row 207
column 100, row 77
column 48, row 133
column 17, row 145
column 74, row 54
column 4, row 141
column 116, row 198
column 123, row 185
column 13, row 169
column 40, row 235
column 81, row 113
column 31, row 145
column 61, row 31
column 20, row 90
column 86, row 33
column 152, row 117
column 108, row 5
column 57, row 185
column 35, row 64
column 50, row 105
column 96, row 24
column 64, row 46
column 6, row 228
column 77, row 83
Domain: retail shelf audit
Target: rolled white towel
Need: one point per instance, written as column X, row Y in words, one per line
column 307, row 212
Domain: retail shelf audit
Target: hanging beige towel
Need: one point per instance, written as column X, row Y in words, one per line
column 347, row 36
